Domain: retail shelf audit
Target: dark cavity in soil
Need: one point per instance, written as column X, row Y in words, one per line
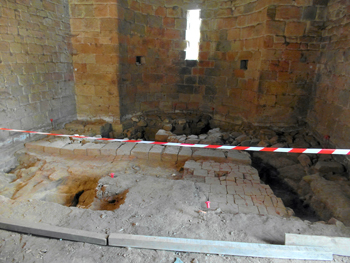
column 269, row 175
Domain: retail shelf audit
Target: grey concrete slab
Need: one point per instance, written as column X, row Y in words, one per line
column 338, row 245
column 45, row 230
column 219, row 247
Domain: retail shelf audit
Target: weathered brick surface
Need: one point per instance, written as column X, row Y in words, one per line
column 110, row 148
column 155, row 152
column 94, row 149
column 36, row 82
column 330, row 111
column 125, row 149
column 210, row 154
column 55, row 147
column 37, row 146
column 141, row 150
column 170, row 154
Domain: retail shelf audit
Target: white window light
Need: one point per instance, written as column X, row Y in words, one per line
column 193, row 34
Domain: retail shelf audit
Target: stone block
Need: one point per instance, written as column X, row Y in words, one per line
column 211, row 180
column 94, row 149
column 218, row 189
column 110, row 148
column 75, row 126
column 248, row 209
column 200, row 172
column 262, row 210
column 81, row 149
column 249, row 190
column 203, row 187
column 162, row 135
column 326, row 167
column 239, row 157
column 185, row 153
column 125, row 149
column 209, row 154
column 37, row 146
column 295, row 29
column 155, row 153
column 219, row 198
column 170, row 153
column 141, row 150
column 55, row 147
column 69, row 148
column 229, row 208
column 192, row 165
column 268, row 201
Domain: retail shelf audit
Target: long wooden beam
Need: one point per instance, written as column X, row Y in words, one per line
column 219, row 247
column 338, row 245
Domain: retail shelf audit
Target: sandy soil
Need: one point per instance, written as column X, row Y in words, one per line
column 155, row 205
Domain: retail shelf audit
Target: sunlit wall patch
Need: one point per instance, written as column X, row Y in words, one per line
column 193, row 34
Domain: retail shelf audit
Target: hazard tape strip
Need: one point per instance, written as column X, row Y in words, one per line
column 207, row 146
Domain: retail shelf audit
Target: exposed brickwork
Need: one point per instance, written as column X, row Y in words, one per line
column 330, row 111
column 95, row 26
column 36, row 80
column 280, row 42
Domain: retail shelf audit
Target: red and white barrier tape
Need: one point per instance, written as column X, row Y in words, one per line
column 223, row 147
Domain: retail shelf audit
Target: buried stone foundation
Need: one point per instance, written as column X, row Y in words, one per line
column 302, row 174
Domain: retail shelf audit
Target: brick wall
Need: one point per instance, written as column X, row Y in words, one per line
column 330, row 111
column 293, row 34
column 280, row 42
column 95, row 30
column 36, row 80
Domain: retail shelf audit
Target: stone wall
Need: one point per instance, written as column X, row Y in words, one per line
column 330, row 111
column 293, row 34
column 36, row 80
column 95, row 38
column 280, row 41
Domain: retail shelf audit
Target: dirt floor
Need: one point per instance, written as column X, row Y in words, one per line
column 151, row 201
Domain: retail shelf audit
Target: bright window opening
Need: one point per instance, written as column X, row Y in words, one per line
column 193, row 34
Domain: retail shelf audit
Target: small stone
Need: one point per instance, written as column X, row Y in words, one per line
column 263, row 144
column 203, row 136
column 334, row 221
column 246, row 143
column 213, row 131
column 242, row 138
column 135, row 119
column 304, row 160
column 162, row 135
column 181, row 121
column 326, row 167
column 168, row 127
column 142, row 123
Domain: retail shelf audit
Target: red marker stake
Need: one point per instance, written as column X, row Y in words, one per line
column 51, row 123
column 112, row 175
column 208, row 204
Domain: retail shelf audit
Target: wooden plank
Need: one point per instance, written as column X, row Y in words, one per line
column 337, row 245
column 45, row 230
column 219, row 247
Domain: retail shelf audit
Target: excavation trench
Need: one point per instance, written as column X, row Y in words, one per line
column 269, row 175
